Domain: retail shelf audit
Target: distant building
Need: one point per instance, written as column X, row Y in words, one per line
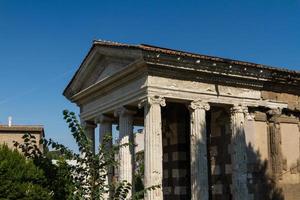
column 10, row 133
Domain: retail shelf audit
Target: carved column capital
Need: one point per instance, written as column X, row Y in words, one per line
column 103, row 119
column 88, row 124
column 153, row 100
column 123, row 111
column 274, row 111
column 274, row 115
column 239, row 109
column 199, row 104
column 250, row 116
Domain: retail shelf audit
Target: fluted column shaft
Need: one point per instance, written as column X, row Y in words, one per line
column 153, row 147
column 126, row 157
column 106, row 130
column 198, row 148
column 239, row 153
column 89, row 129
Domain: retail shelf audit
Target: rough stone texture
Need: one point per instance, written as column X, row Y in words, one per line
column 292, row 100
column 204, row 88
column 275, row 150
column 290, row 152
column 291, row 191
column 9, row 134
column 8, row 138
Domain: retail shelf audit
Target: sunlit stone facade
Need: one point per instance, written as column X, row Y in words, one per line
column 9, row 134
column 213, row 128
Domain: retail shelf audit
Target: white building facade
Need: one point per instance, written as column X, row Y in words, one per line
column 214, row 128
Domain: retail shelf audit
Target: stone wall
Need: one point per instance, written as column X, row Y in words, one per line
column 273, row 140
column 9, row 138
column 288, row 145
column 289, row 179
column 292, row 100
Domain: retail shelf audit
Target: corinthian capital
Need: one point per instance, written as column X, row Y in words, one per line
column 152, row 100
column 239, row 109
column 199, row 104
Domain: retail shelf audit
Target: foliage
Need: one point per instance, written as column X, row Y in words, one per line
column 139, row 171
column 58, row 176
column 20, row 178
column 86, row 177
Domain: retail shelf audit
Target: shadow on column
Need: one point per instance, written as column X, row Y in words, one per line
column 260, row 183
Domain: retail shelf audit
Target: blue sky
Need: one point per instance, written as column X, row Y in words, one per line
column 42, row 43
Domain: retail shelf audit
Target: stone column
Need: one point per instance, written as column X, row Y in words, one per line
column 89, row 129
column 198, row 148
column 251, row 137
column 126, row 157
column 275, row 143
column 106, row 130
column 153, row 146
column 239, row 153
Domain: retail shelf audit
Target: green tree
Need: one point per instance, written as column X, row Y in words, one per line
column 86, row 179
column 20, row 178
column 139, row 172
column 58, row 177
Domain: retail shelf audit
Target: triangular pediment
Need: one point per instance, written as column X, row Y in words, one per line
column 103, row 69
column 100, row 64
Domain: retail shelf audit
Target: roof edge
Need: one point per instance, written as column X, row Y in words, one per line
column 152, row 48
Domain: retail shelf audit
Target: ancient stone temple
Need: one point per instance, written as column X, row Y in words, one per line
column 214, row 128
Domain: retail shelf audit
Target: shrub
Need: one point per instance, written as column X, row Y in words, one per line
column 20, row 178
column 86, row 179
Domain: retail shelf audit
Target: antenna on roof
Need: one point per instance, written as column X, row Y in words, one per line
column 9, row 121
